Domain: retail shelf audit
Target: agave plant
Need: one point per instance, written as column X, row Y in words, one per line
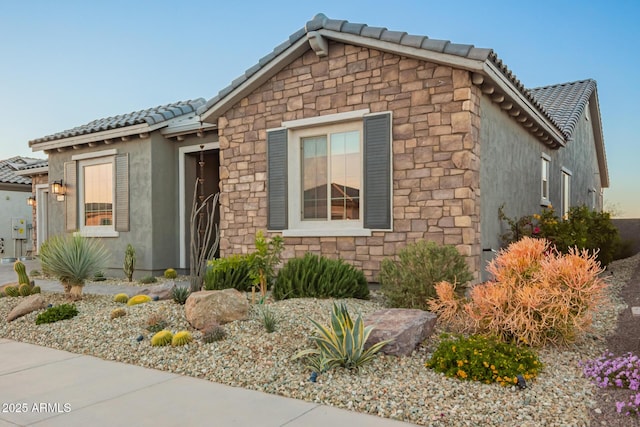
column 341, row 343
column 72, row 259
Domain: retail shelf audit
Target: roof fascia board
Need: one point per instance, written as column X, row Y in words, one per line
column 33, row 171
column 499, row 79
column 256, row 80
column 594, row 111
column 12, row 186
column 412, row 52
column 97, row 136
column 185, row 129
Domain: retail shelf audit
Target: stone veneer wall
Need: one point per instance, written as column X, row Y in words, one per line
column 436, row 129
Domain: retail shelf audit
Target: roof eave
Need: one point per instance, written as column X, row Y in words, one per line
column 594, row 111
column 217, row 109
column 33, row 171
column 107, row 135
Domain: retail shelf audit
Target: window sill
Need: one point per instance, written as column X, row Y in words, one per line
column 97, row 233
column 346, row 232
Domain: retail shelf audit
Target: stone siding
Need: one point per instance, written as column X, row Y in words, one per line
column 435, row 130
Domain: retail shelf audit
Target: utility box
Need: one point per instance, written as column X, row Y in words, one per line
column 19, row 228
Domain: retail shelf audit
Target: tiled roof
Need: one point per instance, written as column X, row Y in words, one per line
column 565, row 102
column 320, row 21
column 9, row 167
column 150, row 116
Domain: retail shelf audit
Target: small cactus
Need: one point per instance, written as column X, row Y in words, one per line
column 11, row 291
column 24, row 289
column 161, row 338
column 118, row 312
column 121, row 298
column 213, row 333
column 156, row 322
column 129, row 264
column 36, row 290
column 170, row 273
column 21, row 270
column 180, row 294
column 181, row 338
column 139, row 299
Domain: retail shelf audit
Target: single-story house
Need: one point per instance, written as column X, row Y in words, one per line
column 16, row 201
column 351, row 141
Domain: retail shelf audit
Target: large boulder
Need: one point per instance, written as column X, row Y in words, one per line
column 405, row 327
column 26, row 306
column 163, row 291
column 205, row 308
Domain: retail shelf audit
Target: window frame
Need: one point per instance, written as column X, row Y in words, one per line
column 566, row 191
column 96, row 230
column 545, row 185
column 329, row 227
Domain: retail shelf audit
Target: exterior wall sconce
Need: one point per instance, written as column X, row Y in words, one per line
column 31, row 201
column 57, row 188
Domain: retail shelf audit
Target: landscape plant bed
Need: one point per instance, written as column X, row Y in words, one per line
column 394, row 387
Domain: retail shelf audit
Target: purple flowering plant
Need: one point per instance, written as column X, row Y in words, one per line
column 621, row 372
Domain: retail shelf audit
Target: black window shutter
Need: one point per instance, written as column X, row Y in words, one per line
column 377, row 171
column 277, row 180
column 70, row 198
column 122, row 193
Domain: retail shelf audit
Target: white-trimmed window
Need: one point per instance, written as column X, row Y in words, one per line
column 96, row 196
column 97, row 193
column 544, row 180
column 330, row 175
column 566, row 192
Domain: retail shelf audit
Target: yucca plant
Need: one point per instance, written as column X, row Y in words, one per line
column 342, row 342
column 73, row 259
column 180, row 294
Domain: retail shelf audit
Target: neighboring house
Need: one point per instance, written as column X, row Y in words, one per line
column 37, row 173
column 348, row 140
column 129, row 179
column 433, row 137
column 16, row 219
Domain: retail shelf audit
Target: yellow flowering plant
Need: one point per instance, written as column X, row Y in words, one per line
column 487, row 360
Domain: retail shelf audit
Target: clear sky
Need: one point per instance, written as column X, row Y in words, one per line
column 64, row 63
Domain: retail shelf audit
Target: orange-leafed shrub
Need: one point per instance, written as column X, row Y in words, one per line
column 537, row 296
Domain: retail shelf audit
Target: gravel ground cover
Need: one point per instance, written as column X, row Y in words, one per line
column 393, row 387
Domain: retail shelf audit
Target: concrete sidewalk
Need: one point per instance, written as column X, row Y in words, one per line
column 40, row 386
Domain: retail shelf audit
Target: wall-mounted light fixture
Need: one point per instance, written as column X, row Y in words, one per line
column 31, row 201
column 57, row 188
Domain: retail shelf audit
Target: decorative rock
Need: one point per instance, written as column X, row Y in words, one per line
column 26, row 306
column 161, row 291
column 406, row 327
column 204, row 308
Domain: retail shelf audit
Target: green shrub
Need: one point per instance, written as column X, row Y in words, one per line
column 161, row 338
column 315, row 276
column 341, row 343
column 483, row 359
column 148, row 279
column 170, row 273
column 409, row 281
column 213, row 333
column 99, row 277
column 180, row 294
column 36, row 290
column 155, row 323
column 35, row 273
column 233, row 271
column 56, row 313
column 582, row 228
